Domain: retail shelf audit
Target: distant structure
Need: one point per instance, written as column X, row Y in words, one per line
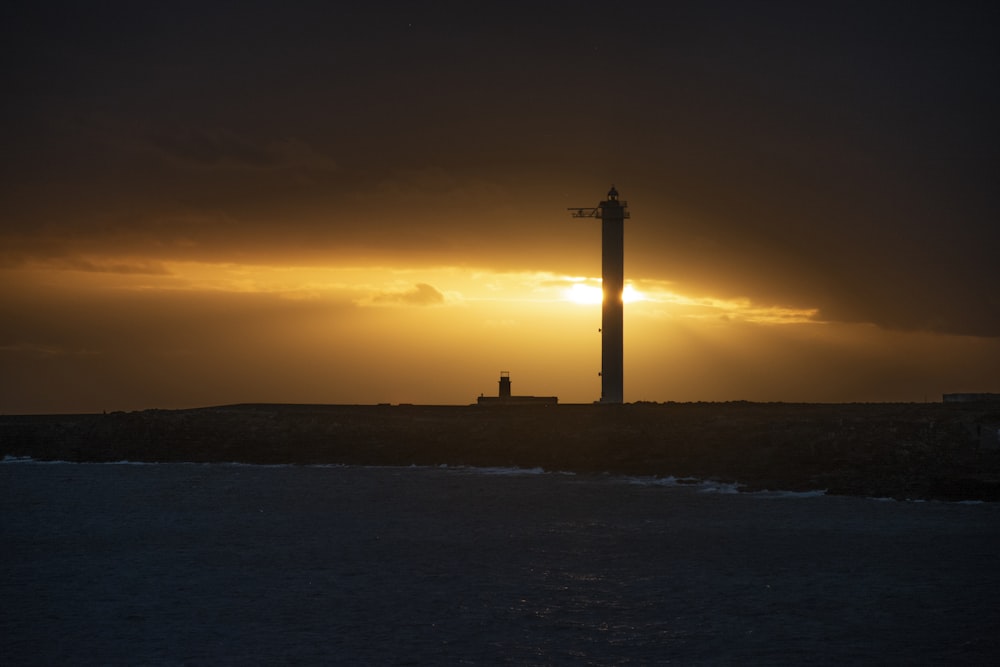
column 971, row 398
column 505, row 398
column 612, row 214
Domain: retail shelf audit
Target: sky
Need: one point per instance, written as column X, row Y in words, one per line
column 324, row 202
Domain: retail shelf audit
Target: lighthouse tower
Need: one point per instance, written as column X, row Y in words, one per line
column 612, row 214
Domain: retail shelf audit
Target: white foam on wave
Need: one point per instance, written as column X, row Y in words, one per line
column 715, row 486
column 509, row 471
column 889, row 499
column 670, row 480
column 701, row 485
column 694, row 483
column 126, row 462
column 16, row 459
column 719, row 487
column 27, row 459
column 767, row 493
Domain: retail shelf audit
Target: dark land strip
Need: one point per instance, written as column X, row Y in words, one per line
column 947, row 451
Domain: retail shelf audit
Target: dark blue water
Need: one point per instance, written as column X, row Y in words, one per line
column 226, row 564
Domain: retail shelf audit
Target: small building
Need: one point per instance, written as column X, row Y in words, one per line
column 504, row 396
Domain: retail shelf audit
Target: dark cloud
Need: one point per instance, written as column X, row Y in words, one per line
column 210, row 149
column 126, row 268
column 70, row 256
column 221, row 149
column 828, row 155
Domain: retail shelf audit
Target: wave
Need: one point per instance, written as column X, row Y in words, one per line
column 710, row 486
column 503, row 471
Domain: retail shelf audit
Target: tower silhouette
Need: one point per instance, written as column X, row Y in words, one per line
column 612, row 214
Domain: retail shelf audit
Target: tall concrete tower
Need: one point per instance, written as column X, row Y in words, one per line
column 612, row 214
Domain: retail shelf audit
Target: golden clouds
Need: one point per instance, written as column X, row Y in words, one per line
column 385, row 286
column 420, row 294
column 199, row 333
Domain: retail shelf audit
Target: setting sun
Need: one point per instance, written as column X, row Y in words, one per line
column 631, row 295
column 584, row 294
column 588, row 295
column 180, row 239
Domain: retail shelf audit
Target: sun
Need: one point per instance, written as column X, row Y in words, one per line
column 588, row 295
column 584, row 294
column 632, row 295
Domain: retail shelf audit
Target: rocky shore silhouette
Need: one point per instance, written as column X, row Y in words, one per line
column 906, row 450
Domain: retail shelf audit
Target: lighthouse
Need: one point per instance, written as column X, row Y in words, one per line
column 612, row 214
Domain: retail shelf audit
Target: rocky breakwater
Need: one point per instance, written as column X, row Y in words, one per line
column 926, row 450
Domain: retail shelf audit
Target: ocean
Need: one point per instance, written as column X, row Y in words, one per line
column 209, row 564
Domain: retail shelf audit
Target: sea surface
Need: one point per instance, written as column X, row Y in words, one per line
column 194, row 564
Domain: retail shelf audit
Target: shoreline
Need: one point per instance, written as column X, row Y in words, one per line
column 914, row 451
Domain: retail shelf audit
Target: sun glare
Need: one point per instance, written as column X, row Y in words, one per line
column 387, row 287
column 584, row 294
column 631, row 295
column 588, row 295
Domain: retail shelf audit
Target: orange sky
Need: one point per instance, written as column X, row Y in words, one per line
column 202, row 334
column 381, row 216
